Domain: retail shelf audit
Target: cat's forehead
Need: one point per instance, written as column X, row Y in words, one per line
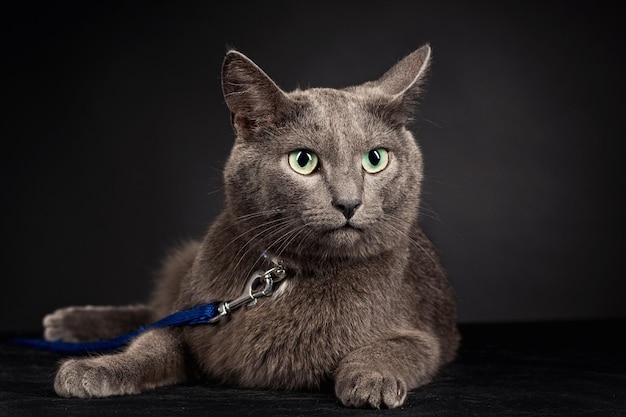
column 335, row 122
column 346, row 111
column 324, row 101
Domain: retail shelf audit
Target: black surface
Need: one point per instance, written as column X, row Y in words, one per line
column 538, row 369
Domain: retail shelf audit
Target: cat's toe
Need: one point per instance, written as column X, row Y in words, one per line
column 69, row 379
column 54, row 330
column 86, row 378
column 370, row 389
column 58, row 325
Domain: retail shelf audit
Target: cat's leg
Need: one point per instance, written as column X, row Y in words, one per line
column 154, row 359
column 74, row 324
column 380, row 374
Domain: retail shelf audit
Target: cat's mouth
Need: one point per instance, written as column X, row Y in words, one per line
column 347, row 229
column 341, row 233
column 348, row 225
column 343, row 237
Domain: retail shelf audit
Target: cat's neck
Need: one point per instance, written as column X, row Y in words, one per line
column 321, row 267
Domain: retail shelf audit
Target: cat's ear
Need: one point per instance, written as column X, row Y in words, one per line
column 402, row 84
column 254, row 100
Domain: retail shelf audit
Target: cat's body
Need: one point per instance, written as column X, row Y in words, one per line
column 327, row 181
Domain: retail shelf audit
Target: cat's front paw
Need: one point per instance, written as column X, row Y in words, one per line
column 369, row 388
column 88, row 378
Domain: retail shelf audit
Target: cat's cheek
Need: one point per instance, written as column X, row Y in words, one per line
column 292, row 182
column 379, row 189
column 404, row 176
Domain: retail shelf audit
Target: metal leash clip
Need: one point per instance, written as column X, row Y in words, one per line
column 260, row 284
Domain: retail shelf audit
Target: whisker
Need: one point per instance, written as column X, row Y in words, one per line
column 429, row 212
column 280, row 225
column 258, row 214
column 302, row 241
column 408, row 236
column 283, row 246
column 262, row 225
column 275, row 232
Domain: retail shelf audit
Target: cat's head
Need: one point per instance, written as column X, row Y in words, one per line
column 321, row 172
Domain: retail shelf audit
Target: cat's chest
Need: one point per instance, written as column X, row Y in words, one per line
column 303, row 312
column 291, row 339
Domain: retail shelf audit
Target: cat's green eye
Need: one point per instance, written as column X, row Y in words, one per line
column 375, row 160
column 303, row 162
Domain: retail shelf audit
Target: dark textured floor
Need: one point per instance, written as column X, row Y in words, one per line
column 538, row 369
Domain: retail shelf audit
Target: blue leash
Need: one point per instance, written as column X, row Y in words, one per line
column 261, row 284
column 198, row 315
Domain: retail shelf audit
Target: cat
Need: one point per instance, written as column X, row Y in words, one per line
column 327, row 181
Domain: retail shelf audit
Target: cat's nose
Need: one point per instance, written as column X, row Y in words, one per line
column 347, row 207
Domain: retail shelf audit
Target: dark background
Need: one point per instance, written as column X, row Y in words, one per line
column 114, row 132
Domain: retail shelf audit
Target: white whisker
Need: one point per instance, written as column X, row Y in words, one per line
column 286, row 226
column 262, row 225
column 277, row 227
column 407, row 235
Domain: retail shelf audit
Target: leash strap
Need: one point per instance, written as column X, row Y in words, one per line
column 198, row 315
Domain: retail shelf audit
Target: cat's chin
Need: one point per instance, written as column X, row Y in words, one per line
column 345, row 236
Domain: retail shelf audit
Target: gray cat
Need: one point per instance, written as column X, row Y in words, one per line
column 326, row 182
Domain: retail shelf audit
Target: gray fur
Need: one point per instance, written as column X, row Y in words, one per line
column 366, row 307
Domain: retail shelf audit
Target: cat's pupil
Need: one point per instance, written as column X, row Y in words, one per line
column 374, row 157
column 303, row 159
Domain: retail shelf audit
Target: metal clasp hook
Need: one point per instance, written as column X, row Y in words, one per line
column 260, row 284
